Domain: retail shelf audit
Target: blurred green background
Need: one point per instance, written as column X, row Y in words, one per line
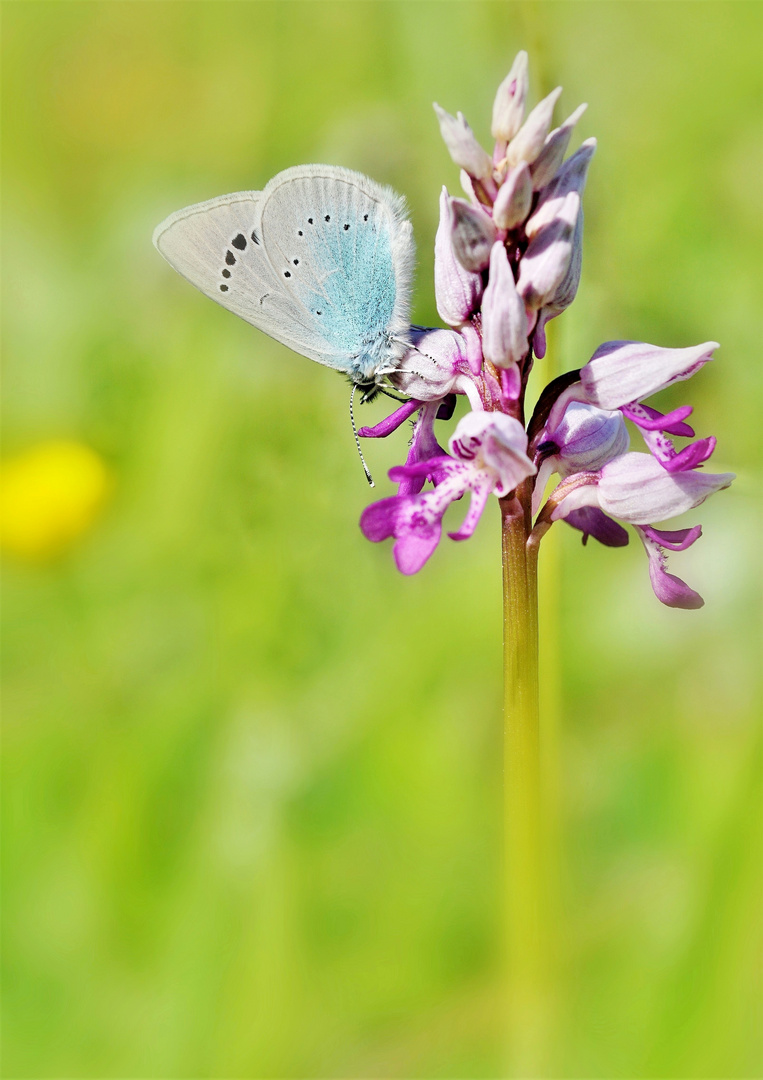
column 252, row 775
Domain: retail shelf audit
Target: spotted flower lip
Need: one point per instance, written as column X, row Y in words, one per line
column 669, row 589
column 489, row 456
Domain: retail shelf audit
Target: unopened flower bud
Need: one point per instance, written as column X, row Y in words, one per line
column 565, row 292
column 457, row 291
column 504, row 324
column 509, row 104
column 472, row 235
column 548, row 256
column 570, row 178
column 529, row 140
column 546, row 164
column 512, row 204
column 462, row 144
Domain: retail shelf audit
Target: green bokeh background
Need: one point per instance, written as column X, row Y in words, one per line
column 252, row 775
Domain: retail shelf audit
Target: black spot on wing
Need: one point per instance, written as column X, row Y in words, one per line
column 239, row 241
column 230, row 258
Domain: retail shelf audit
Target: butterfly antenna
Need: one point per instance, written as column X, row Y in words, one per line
column 369, row 478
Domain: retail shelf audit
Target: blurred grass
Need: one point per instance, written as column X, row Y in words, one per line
column 251, row 776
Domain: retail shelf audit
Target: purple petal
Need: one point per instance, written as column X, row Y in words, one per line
column 675, row 539
column 412, row 550
column 669, row 589
column 511, row 383
column 644, row 416
column 420, row 468
column 392, row 422
column 416, row 527
column 691, row 456
column 424, row 446
column 594, row 522
column 480, row 495
column 378, row 521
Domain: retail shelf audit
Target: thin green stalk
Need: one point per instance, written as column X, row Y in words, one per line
column 524, row 862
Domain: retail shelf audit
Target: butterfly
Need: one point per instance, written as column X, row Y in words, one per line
column 321, row 260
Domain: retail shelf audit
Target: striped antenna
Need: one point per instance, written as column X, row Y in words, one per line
column 369, row 478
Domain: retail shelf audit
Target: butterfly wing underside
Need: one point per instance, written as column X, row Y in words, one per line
column 321, row 260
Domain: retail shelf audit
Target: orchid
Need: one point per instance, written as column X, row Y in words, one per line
column 508, row 259
column 594, row 453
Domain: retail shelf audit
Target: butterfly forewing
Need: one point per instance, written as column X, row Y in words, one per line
column 217, row 247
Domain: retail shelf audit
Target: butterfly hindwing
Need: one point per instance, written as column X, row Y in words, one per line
column 344, row 249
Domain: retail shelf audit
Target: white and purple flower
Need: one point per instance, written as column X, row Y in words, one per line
column 507, row 260
column 489, row 458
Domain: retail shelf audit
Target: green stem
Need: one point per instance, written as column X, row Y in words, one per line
column 526, row 966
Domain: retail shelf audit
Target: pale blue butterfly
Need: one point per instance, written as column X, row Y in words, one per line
column 321, row 260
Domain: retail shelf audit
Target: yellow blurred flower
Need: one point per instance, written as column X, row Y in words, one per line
column 49, row 496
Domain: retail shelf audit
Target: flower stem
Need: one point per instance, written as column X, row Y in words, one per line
column 524, row 862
